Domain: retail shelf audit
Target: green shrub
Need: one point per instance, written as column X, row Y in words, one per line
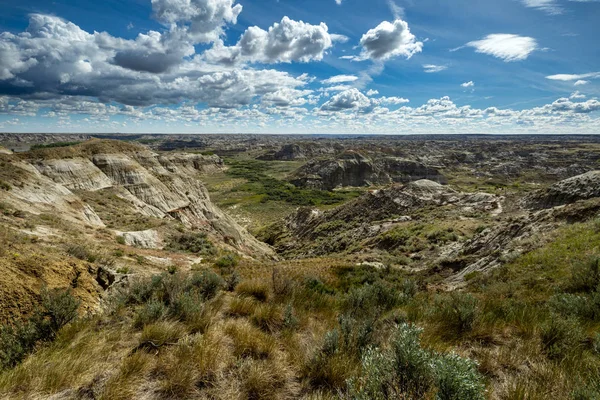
column 372, row 299
column 411, row 362
column 408, row 371
column 197, row 243
column 227, row 262
column 290, row 321
column 376, row 381
column 560, row 337
column 355, row 335
column 57, row 309
column 121, row 239
column 456, row 313
column 149, row 313
column 585, row 307
column 207, row 283
column 187, row 307
column 82, row 252
column 457, row 378
column 585, row 277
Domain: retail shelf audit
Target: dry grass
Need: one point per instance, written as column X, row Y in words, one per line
column 259, row 290
column 80, row 354
column 249, row 341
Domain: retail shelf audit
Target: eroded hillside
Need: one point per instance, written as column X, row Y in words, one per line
column 456, row 270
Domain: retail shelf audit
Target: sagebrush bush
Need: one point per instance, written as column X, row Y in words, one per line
column 412, row 363
column 406, row 370
column 82, row 252
column 583, row 306
column 457, row 378
column 208, row 283
column 372, row 299
column 149, row 313
column 197, row 243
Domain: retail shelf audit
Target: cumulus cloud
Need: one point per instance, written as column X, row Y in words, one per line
column 581, row 82
column 389, row 40
column 432, row 68
column 203, row 20
column 577, row 95
column 507, row 47
column 55, row 58
column 285, row 41
column 468, row 84
column 372, row 92
column 351, row 99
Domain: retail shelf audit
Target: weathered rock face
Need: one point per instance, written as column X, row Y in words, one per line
column 148, row 239
column 74, row 174
column 353, row 169
column 162, row 186
column 36, row 193
column 568, row 191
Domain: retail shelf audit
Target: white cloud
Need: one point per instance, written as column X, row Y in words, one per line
column 432, row 68
column 351, row 99
column 548, row 6
column 285, row 41
column 505, row 46
column 203, row 20
column 389, row 100
column 389, row 40
column 468, row 84
column 372, row 92
column 339, row 79
column 574, row 77
column 338, row 2
column 577, row 95
column 581, row 82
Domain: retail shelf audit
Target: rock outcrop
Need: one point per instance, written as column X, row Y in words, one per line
column 148, row 239
column 300, row 151
column 568, row 191
column 158, row 185
column 355, row 170
column 309, row 232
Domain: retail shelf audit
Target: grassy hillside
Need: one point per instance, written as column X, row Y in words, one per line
column 328, row 329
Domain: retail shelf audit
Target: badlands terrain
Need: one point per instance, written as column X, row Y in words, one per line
column 299, row 267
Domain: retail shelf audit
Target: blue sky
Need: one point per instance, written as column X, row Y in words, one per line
column 311, row 66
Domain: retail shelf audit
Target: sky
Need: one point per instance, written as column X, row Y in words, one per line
column 300, row 66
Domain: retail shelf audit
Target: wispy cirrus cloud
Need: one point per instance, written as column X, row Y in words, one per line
column 432, row 68
column 507, row 47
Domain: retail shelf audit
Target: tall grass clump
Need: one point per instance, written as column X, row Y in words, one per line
column 455, row 314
